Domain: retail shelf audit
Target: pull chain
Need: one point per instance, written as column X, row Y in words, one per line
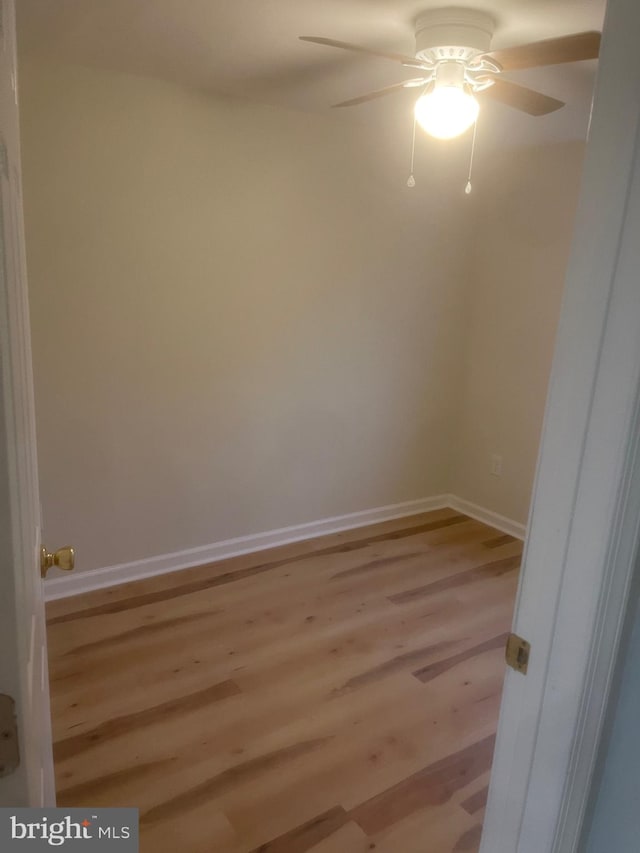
column 411, row 181
column 468, row 187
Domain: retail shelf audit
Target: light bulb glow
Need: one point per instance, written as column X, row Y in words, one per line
column 446, row 112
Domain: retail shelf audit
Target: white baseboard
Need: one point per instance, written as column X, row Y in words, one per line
column 64, row 586
column 486, row 516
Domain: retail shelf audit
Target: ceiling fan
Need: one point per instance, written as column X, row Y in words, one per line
column 457, row 69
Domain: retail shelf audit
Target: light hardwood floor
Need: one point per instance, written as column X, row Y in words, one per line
column 337, row 696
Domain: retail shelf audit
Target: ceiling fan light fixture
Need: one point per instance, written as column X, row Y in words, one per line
column 453, row 53
column 449, row 108
column 446, row 111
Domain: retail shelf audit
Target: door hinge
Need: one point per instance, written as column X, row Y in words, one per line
column 9, row 750
column 517, row 653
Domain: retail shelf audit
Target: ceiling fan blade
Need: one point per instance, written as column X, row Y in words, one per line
column 550, row 52
column 521, row 98
column 409, row 61
column 379, row 93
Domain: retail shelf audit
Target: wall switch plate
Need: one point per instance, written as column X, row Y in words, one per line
column 496, row 465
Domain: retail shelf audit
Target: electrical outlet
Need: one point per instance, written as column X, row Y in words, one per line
column 496, row 465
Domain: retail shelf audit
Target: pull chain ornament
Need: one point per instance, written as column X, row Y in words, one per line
column 469, row 186
column 411, row 181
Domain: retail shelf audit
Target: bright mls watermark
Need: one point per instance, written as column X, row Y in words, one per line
column 69, row 829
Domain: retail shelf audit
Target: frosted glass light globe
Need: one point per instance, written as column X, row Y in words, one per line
column 446, row 112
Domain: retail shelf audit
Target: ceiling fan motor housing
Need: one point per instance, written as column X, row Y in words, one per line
column 453, row 34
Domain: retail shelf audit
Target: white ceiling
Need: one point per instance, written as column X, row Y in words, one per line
column 250, row 48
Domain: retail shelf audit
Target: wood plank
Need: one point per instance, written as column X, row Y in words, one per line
column 302, row 838
column 469, row 841
column 432, row 786
column 476, row 802
column 153, row 715
column 203, row 793
column 433, row 670
column 479, row 573
column 433, row 829
column 349, row 837
column 499, row 541
column 206, row 831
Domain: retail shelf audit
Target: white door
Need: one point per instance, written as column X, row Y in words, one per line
column 23, row 645
column 584, row 522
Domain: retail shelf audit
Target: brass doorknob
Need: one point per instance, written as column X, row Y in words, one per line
column 63, row 558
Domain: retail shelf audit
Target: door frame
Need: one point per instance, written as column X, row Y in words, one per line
column 583, row 527
column 23, row 665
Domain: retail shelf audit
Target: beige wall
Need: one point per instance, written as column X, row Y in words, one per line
column 523, row 213
column 242, row 319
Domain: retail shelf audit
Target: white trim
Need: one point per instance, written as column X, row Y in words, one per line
column 74, row 584
column 487, row 516
column 65, row 586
